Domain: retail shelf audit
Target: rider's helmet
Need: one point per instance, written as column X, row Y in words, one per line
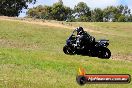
column 79, row 30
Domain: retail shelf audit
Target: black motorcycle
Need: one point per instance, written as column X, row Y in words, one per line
column 95, row 49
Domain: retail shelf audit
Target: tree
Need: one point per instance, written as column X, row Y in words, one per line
column 82, row 12
column 130, row 18
column 124, row 11
column 13, row 7
column 118, row 13
column 61, row 2
column 46, row 13
column 60, row 12
column 97, row 15
column 32, row 13
column 56, row 12
column 69, row 14
column 109, row 13
column 122, row 18
column 40, row 12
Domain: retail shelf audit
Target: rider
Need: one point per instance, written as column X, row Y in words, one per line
column 83, row 38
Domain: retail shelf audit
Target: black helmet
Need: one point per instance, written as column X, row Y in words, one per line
column 79, row 30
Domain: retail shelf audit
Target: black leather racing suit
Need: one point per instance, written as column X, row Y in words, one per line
column 84, row 39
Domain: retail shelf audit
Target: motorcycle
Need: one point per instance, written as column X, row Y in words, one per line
column 95, row 49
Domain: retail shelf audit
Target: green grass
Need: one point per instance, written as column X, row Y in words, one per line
column 31, row 55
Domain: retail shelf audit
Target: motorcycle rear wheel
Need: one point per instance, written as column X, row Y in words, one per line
column 104, row 53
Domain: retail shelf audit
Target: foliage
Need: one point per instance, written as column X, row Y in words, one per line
column 121, row 18
column 97, row 15
column 41, row 12
column 13, row 7
column 81, row 13
column 60, row 12
column 112, row 13
column 56, row 12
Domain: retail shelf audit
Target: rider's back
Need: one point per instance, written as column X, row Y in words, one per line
column 87, row 39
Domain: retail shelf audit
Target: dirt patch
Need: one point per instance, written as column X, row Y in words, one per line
column 49, row 23
column 17, row 44
column 127, row 57
column 44, row 22
column 39, row 22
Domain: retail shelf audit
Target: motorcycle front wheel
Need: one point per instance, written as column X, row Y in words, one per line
column 68, row 50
